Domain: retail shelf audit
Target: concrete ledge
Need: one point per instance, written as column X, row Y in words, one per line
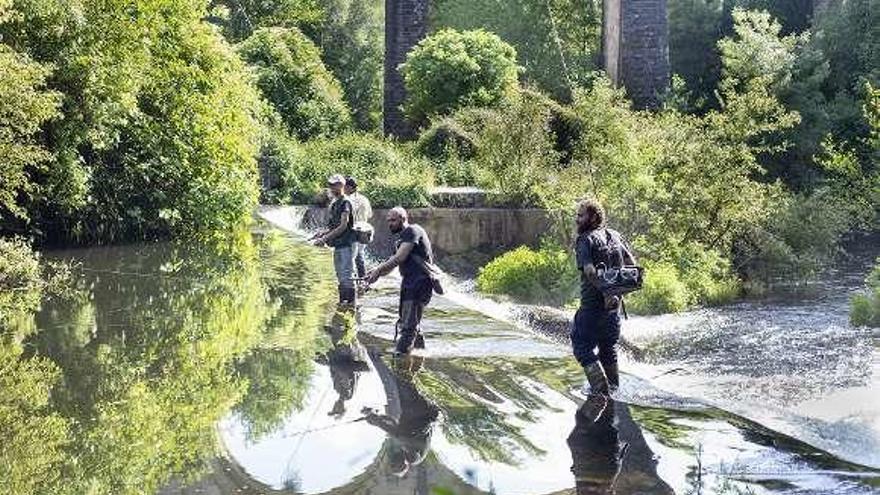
column 457, row 231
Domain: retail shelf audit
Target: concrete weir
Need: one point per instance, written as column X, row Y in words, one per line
column 455, row 232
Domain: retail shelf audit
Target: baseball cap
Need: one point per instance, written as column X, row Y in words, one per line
column 336, row 179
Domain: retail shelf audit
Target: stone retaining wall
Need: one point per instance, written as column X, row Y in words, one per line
column 456, row 231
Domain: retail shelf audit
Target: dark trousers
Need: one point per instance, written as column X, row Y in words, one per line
column 413, row 300
column 595, row 328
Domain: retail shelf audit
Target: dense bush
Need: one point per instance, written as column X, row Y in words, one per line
column 446, row 139
column 865, row 308
column 291, row 75
column 663, row 292
column 516, row 152
column 557, row 41
column 452, row 69
column 387, row 173
column 543, row 276
column 186, row 163
column 157, row 134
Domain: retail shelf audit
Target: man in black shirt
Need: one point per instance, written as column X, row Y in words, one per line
column 413, row 252
column 597, row 321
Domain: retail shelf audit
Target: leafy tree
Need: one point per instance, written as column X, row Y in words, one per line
column 155, row 133
column 292, row 77
column 521, row 129
column 185, row 163
column 351, row 40
column 452, row 69
column 695, row 26
column 556, row 41
column 24, row 106
column 240, row 18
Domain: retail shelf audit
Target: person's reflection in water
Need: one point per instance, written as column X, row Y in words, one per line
column 408, row 420
column 346, row 360
column 596, row 448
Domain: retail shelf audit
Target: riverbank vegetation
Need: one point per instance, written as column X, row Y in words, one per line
column 153, row 119
column 866, row 307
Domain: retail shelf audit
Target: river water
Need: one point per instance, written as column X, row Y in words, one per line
column 187, row 369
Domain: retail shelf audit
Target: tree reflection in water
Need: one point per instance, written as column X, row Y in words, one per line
column 120, row 386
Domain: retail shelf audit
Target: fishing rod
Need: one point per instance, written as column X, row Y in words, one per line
column 324, row 428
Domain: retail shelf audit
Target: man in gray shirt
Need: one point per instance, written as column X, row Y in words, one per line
column 363, row 212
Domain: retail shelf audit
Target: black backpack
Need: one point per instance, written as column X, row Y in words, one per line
column 616, row 277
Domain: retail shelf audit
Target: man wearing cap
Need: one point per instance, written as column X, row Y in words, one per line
column 340, row 236
column 362, row 214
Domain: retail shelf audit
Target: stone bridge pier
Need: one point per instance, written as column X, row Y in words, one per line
column 635, row 52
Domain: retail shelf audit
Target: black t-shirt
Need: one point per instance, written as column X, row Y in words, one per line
column 595, row 247
column 341, row 206
column 410, row 271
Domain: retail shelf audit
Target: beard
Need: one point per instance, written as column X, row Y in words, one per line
column 396, row 229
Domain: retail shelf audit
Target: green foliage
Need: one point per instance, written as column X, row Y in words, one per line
column 452, row 69
column 292, row 77
column 543, row 276
column 850, row 38
column 240, row 18
column 24, row 106
column 865, row 308
column 186, row 162
column 351, row 38
column 388, row 175
column 695, row 26
column 556, row 41
column 124, row 382
column 452, row 150
column 156, row 135
column 872, row 112
column 446, row 139
column 516, row 151
column 663, row 292
column 21, row 284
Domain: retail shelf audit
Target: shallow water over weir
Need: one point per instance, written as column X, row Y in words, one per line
column 186, row 369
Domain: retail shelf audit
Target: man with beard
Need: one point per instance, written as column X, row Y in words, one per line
column 340, row 236
column 413, row 254
column 597, row 321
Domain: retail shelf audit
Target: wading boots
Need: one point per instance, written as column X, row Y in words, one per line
column 613, row 376
column 347, row 296
column 597, row 379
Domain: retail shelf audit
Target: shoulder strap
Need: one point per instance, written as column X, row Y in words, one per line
column 623, row 248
